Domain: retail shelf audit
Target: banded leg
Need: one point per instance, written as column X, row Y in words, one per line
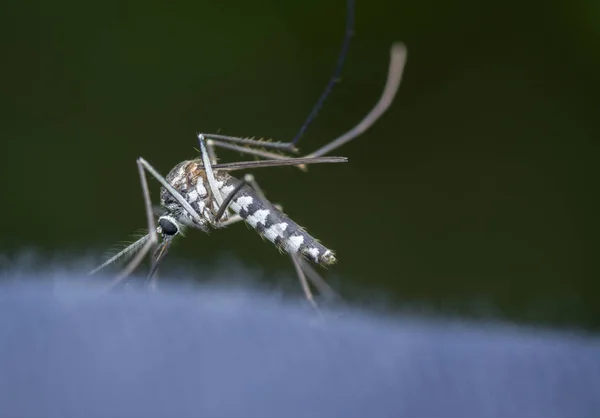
column 248, row 146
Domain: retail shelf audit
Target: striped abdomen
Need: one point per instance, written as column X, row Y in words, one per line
column 273, row 224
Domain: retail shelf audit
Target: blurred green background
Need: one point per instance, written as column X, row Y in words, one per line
column 476, row 194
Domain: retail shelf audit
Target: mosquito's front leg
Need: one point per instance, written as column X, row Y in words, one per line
column 198, row 221
column 144, row 166
column 153, row 236
column 210, row 175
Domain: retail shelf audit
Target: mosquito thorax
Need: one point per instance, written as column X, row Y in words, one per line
column 168, row 225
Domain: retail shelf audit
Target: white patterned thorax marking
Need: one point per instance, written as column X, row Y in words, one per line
column 275, row 231
column 180, row 174
column 200, row 187
column 260, row 216
column 294, row 242
column 314, row 253
column 192, row 196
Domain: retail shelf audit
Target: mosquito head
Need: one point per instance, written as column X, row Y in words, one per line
column 168, row 226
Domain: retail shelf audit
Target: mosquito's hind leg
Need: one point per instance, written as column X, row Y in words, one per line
column 252, row 146
column 395, row 70
column 303, row 282
column 246, row 149
column 247, row 146
column 315, row 278
column 249, row 142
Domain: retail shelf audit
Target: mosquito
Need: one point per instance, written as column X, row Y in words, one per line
column 202, row 194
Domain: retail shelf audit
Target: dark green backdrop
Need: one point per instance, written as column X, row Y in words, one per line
column 476, row 193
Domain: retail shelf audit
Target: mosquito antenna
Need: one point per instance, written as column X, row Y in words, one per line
column 126, row 252
column 336, row 72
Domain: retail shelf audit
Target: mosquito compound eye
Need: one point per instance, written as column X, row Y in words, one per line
column 167, row 226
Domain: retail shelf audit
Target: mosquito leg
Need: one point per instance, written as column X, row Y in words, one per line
column 252, row 181
column 248, row 179
column 290, row 146
column 227, row 201
column 132, row 264
column 318, row 282
column 210, row 175
column 304, row 282
column 260, row 143
column 244, row 149
column 395, row 71
column 289, row 161
column 126, row 252
column 153, row 236
column 212, row 154
column 152, row 241
column 396, row 68
column 148, row 204
column 198, row 221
